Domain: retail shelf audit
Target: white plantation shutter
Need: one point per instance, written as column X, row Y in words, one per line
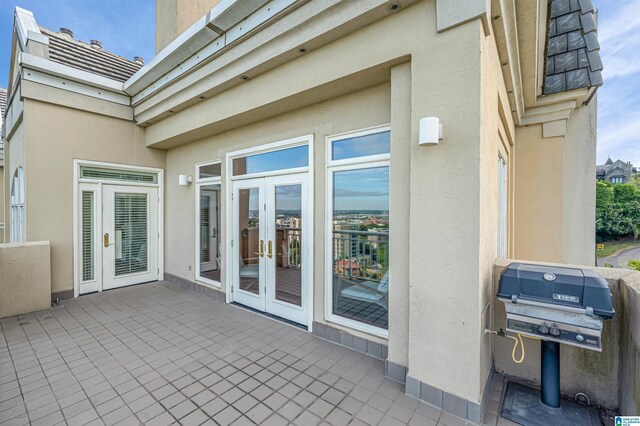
column 88, row 236
column 131, row 226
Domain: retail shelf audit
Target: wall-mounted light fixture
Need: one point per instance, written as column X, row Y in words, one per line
column 184, row 180
column 430, row 131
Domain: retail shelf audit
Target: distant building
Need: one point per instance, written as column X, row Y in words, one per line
column 616, row 171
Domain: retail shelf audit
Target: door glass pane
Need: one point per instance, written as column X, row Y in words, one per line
column 209, row 222
column 249, row 239
column 361, row 245
column 361, row 146
column 289, row 158
column 87, row 236
column 131, row 228
column 288, row 244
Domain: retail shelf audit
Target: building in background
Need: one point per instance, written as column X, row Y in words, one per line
column 616, row 171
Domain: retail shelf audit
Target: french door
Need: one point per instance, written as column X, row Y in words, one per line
column 129, row 235
column 270, row 249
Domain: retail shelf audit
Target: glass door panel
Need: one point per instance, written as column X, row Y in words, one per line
column 129, row 240
column 209, row 229
column 288, row 244
column 287, row 280
column 249, row 242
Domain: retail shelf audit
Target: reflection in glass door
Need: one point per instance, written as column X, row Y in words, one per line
column 209, row 229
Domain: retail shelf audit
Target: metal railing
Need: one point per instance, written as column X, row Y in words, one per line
column 360, row 254
column 292, row 247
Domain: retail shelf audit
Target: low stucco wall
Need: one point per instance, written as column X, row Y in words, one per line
column 629, row 388
column 25, row 278
column 607, row 377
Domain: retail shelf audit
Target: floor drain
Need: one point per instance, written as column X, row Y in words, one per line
column 23, row 323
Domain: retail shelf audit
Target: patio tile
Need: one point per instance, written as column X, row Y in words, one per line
column 160, row 354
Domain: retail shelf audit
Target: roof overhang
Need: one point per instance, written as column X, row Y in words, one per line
column 227, row 22
column 522, row 42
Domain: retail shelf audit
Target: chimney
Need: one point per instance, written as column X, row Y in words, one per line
column 138, row 60
column 96, row 44
column 66, row 32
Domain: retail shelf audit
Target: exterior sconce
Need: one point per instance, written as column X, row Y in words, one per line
column 430, row 131
column 184, row 180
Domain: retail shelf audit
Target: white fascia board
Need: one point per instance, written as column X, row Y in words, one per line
column 46, row 66
column 25, row 23
column 75, row 87
column 213, row 25
column 232, row 34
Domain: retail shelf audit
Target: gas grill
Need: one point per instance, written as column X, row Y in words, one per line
column 556, row 305
column 563, row 305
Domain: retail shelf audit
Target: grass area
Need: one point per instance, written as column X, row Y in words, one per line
column 612, row 247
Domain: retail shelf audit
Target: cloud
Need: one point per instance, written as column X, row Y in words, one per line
column 619, row 98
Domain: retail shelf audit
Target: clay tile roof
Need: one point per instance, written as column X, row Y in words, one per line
column 573, row 51
column 77, row 54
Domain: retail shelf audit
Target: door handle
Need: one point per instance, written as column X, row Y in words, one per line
column 270, row 254
column 261, row 248
column 105, row 239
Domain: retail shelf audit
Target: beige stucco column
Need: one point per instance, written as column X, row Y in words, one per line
column 399, row 199
column 445, row 276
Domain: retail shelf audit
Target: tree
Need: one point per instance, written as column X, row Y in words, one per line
column 617, row 210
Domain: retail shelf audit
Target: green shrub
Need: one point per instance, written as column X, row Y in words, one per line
column 634, row 264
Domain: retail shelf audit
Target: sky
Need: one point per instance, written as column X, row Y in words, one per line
column 126, row 27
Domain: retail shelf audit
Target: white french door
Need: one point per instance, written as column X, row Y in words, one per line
column 129, row 235
column 270, row 250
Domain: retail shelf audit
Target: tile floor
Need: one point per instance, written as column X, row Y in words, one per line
column 160, row 354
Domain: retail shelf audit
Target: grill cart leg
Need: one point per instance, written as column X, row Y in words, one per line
column 550, row 372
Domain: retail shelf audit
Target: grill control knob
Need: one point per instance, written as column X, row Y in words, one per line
column 555, row 331
column 543, row 329
column 580, row 338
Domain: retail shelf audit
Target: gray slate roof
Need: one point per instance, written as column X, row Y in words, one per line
column 573, row 51
column 77, row 54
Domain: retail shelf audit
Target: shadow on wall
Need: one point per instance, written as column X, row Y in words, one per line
column 610, row 378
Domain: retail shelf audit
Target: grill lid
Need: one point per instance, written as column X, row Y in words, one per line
column 567, row 287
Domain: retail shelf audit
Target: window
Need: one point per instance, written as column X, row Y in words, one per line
column 17, row 207
column 502, row 207
column 288, row 158
column 617, row 179
column 208, row 212
column 358, row 229
column 101, row 173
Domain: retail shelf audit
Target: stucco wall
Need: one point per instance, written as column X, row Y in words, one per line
column 56, row 136
column 25, row 278
column 538, row 195
column 595, row 373
column 15, row 156
column 629, row 388
column 359, row 110
column 175, row 16
column 579, row 188
column 496, row 142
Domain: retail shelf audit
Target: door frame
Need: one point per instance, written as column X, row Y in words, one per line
column 228, row 207
column 77, row 163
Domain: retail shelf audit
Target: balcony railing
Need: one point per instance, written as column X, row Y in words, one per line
column 360, row 254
